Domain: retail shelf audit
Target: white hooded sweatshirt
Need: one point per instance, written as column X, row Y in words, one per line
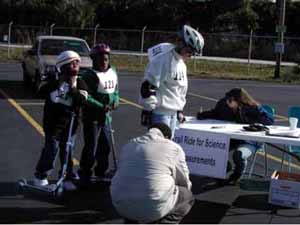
column 168, row 73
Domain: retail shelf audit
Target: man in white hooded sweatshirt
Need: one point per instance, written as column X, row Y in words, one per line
column 164, row 87
column 152, row 181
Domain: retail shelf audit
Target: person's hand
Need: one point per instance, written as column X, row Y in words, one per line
column 114, row 106
column 72, row 81
column 146, row 118
column 180, row 117
column 106, row 108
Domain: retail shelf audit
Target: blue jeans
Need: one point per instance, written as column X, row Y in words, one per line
column 170, row 120
column 53, row 145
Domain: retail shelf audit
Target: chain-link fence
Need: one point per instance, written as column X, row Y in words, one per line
column 216, row 44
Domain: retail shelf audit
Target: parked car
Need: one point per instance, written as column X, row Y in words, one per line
column 40, row 60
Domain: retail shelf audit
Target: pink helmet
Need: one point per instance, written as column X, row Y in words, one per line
column 101, row 48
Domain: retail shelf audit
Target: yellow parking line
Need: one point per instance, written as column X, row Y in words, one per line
column 201, row 96
column 279, row 160
column 31, row 103
column 280, row 118
column 32, row 121
column 131, row 103
column 35, row 124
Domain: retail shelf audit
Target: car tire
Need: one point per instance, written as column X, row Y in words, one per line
column 26, row 78
column 37, row 81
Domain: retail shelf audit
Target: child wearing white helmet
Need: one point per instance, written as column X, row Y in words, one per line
column 63, row 94
column 164, row 87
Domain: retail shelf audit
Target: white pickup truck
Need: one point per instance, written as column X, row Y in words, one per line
column 41, row 58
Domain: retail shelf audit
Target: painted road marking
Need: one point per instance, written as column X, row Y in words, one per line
column 32, row 121
column 215, row 100
column 37, row 126
column 280, row 118
column 131, row 103
column 31, row 103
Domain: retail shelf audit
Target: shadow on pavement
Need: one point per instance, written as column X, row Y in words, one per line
column 206, row 212
column 253, row 201
column 8, row 189
column 92, row 205
column 88, row 206
column 17, row 90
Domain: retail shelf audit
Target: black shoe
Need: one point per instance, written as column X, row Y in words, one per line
column 129, row 221
column 234, row 179
column 221, row 182
column 85, row 182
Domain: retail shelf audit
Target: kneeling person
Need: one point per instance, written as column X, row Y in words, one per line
column 152, row 181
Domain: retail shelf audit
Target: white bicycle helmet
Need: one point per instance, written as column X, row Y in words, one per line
column 193, row 38
column 65, row 58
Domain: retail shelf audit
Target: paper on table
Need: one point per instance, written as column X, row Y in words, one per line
column 283, row 132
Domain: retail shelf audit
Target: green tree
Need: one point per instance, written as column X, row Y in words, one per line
column 246, row 18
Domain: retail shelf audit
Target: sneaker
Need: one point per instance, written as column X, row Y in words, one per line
column 40, row 182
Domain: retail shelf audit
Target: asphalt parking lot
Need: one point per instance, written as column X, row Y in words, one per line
column 22, row 139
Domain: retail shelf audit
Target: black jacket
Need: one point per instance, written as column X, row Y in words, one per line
column 245, row 114
column 57, row 115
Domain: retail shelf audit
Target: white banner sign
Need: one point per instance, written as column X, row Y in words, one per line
column 206, row 153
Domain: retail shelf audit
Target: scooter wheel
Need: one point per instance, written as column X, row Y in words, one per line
column 59, row 192
column 22, row 182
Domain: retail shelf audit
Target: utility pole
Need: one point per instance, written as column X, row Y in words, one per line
column 280, row 29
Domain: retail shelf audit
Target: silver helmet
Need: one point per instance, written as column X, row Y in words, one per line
column 192, row 38
column 65, row 58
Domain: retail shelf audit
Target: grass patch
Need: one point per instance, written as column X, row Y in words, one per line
column 15, row 54
column 197, row 68
column 208, row 69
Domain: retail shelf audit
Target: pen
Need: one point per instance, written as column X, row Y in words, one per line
column 216, row 127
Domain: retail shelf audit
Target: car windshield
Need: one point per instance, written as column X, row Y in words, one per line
column 55, row 47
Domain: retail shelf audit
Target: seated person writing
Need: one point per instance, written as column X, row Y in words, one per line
column 239, row 107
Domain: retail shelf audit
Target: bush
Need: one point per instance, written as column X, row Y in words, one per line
column 292, row 74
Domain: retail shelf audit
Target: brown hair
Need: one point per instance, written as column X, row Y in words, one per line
column 241, row 96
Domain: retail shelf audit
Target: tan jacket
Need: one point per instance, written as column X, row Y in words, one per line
column 150, row 168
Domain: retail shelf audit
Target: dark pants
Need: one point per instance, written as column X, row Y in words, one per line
column 96, row 150
column 182, row 207
column 238, row 161
column 53, row 145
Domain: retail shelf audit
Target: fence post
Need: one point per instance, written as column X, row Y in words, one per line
column 51, row 29
column 95, row 33
column 142, row 45
column 9, row 37
column 250, row 49
column 194, row 56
